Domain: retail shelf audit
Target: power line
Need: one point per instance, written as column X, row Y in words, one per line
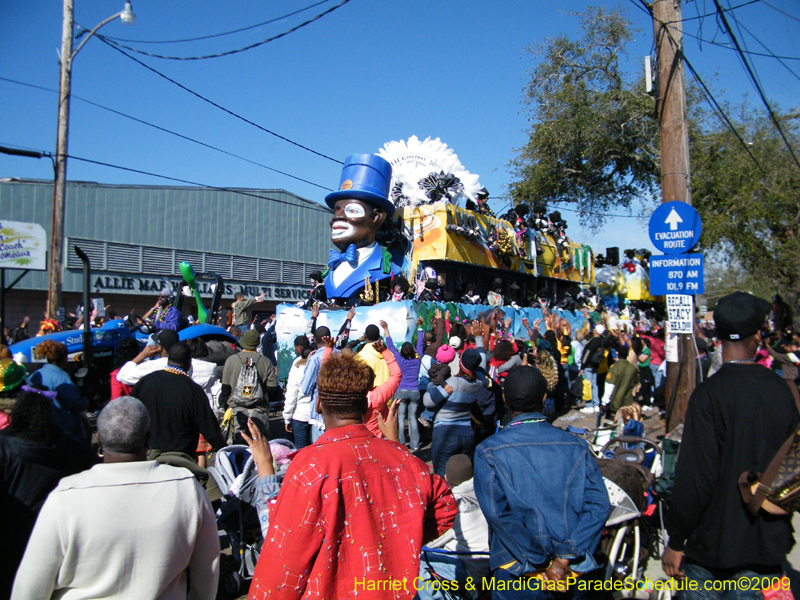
column 229, row 52
column 219, row 106
column 121, row 114
column 756, row 84
column 603, row 215
column 643, row 6
column 214, row 35
column 771, row 54
column 202, row 185
column 781, row 11
column 718, row 108
column 732, row 8
column 728, row 47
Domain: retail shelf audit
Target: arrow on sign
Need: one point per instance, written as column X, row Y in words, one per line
column 673, row 219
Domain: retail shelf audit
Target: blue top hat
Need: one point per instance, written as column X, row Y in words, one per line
column 365, row 177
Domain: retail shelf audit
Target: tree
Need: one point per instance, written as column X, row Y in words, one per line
column 594, row 138
column 594, row 142
column 748, row 196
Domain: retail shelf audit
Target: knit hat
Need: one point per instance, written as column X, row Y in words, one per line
column 445, row 354
column 250, row 339
column 470, row 361
column 12, row 375
column 166, row 292
column 458, row 469
column 455, row 342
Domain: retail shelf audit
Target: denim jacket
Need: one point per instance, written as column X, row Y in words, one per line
column 542, row 494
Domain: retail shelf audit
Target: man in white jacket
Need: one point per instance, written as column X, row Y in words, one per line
column 202, row 372
column 128, row 528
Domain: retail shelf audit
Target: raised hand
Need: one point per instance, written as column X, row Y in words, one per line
column 259, row 449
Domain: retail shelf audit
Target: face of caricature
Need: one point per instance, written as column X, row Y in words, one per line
column 354, row 222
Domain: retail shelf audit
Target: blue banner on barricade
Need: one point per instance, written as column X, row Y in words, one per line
column 401, row 317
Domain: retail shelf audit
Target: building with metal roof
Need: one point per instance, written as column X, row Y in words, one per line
column 259, row 241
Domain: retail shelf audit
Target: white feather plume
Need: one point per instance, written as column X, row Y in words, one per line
column 412, row 161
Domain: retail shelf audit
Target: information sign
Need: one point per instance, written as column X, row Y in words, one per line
column 676, row 274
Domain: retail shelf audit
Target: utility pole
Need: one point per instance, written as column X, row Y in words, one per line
column 60, row 182
column 55, row 275
column 675, row 175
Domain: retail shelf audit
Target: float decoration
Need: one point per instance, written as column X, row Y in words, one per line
column 427, row 172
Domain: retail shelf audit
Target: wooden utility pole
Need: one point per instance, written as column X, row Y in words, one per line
column 675, row 175
column 55, row 275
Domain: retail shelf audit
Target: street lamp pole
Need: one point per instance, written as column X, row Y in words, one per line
column 62, row 140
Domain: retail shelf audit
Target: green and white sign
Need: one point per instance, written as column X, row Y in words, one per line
column 22, row 246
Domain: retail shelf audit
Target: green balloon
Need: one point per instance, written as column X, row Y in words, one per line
column 188, row 276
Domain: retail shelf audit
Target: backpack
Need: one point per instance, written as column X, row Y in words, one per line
column 248, row 391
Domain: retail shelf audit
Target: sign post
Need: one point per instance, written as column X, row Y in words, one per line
column 675, row 228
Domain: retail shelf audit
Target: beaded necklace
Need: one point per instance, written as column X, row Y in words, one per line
column 176, row 370
column 526, row 421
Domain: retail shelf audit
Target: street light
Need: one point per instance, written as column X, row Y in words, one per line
column 62, row 140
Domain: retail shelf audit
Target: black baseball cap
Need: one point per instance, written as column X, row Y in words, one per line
column 740, row 315
column 167, row 338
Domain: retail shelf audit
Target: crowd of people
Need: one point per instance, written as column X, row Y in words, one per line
column 518, row 503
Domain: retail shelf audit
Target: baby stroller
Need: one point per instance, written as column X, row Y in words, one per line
column 235, row 472
column 630, row 535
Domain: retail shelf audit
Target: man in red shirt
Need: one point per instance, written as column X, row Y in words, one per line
column 354, row 509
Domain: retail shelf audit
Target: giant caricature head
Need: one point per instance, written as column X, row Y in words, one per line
column 361, row 204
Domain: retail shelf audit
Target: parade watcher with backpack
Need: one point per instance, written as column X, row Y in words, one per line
column 735, row 425
column 248, row 379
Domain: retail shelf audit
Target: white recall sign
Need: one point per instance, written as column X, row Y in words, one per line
column 680, row 313
column 22, row 246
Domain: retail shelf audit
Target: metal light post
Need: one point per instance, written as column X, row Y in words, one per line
column 62, row 140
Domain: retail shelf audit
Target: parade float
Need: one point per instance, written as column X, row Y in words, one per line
column 412, row 224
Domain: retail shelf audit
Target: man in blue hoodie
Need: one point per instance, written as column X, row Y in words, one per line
column 542, row 495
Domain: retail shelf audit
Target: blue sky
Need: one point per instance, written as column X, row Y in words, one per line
column 366, row 73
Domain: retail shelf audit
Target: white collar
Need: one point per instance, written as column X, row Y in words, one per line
column 366, row 251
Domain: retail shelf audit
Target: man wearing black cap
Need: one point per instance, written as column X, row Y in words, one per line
column 178, row 407
column 736, row 422
column 542, row 494
column 154, row 358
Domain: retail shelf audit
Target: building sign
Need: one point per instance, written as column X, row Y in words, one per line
column 22, row 246
column 138, row 285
